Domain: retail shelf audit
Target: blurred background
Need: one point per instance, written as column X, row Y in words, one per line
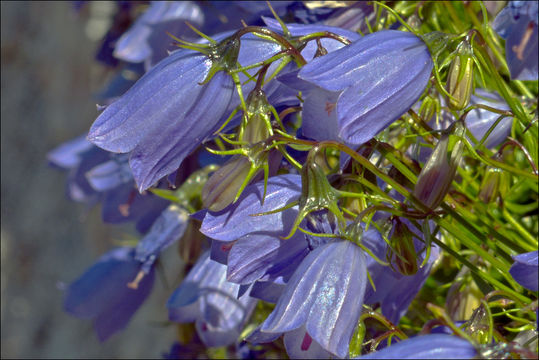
column 48, row 78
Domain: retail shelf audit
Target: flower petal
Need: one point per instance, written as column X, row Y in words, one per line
column 236, row 220
column 325, row 294
column 435, row 346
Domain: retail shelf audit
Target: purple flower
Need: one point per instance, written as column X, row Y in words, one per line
column 236, row 221
column 147, row 39
column 206, row 298
column 325, row 296
column 478, row 121
column 102, row 292
column 435, row 346
column 167, row 113
column 166, row 229
column 525, row 270
column 373, row 81
column 517, row 24
column 113, row 289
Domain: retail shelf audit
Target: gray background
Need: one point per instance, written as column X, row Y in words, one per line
column 48, row 76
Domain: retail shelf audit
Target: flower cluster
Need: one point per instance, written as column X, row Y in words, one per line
column 327, row 168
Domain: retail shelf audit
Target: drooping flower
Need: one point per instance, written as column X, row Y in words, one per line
column 167, row 113
column 373, row 81
column 206, row 298
column 102, row 294
column 525, row 270
column 517, row 24
column 113, row 289
column 434, row 346
column 147, row 39
column 324, row 296
column 479, row 120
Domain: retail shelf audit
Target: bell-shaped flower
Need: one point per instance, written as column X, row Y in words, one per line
column 525, row 270
column 147, row 38
column 325, row 296
column 479, row 120
column 78, row 156
column 170, row 111
column 517, row 24
column 102, row 292
column 436, row 177
column 206, row 298
column 433, row 346
column 237, row 220
column 375, row 80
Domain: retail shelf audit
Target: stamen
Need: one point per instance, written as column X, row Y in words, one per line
column 134, row 284
column 519, row 50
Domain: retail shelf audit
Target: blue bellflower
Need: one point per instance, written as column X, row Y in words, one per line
column 147, row 39
column 434, row 346
column 102, row 293
column 367, row 85
column 168, row 113
column 517, row 24
column 325, row 297
column 113, row 289
column 525, row 270
column 208, row 299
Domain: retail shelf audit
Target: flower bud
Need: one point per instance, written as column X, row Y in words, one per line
column 490, row 185
column 435, row 179
column 460, row 77
column 221, row 188
column 258, row 118
column 402, row 252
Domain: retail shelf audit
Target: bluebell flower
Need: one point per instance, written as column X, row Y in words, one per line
column 478, row 121
column 236, row 221
column 206, row 298
column 167, row 113
column 435, row 346
column 112, row 290
column 369, row 83
column 102, row 294
column 78, row 156
column 525, row 270
column 517, row 24
column 147, row 39
column 325, row 297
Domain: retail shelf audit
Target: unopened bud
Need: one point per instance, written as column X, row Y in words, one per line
column 460, row 77
column 435, row 179
column 490, row 185
column 402, row 254
column 258, row 114
column 221, row 188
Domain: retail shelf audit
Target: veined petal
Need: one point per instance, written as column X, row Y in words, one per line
column 236, row 221
column 382, row 76
column 206, row 296
column 325, row 294
column 151, row 159
column 435, row 346
column 166, row 229
column 254, row 256
column 163, row 95
column 478, row 121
